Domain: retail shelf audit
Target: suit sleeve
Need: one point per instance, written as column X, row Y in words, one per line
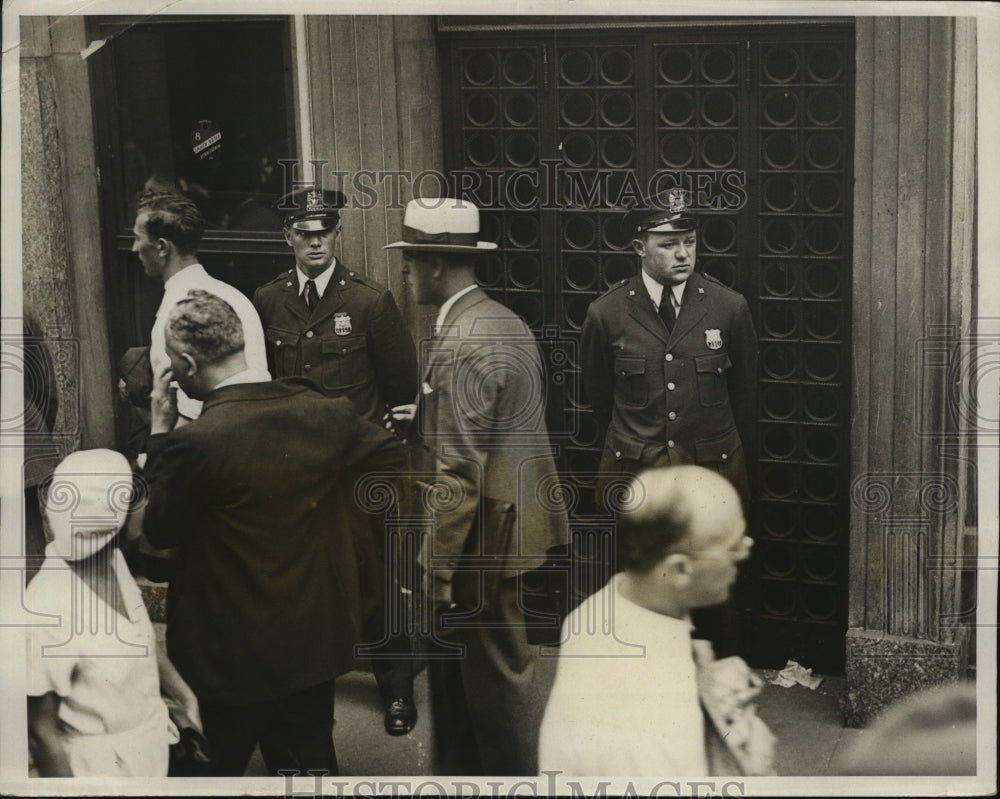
column 743, row 381
column 465, row 429
column 393, row 354
column 176, row 487
column 597, row 367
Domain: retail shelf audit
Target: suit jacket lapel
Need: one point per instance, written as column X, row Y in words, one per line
column 294, row 301
column 334, row 297
column 642, row 311
column 692, row 308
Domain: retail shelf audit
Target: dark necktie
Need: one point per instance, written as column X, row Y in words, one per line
column 667, row 310
column 311, row 296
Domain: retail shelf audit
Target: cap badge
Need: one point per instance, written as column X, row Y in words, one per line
column 342, row 324
column 675, row 201
column 314, row 201
column 713, row 339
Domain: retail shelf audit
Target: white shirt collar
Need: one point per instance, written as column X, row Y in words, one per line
column 629, row 612
column 192, row 273
column 448, row 303
column 655, row 290
column 321, row 281
column 246, row 376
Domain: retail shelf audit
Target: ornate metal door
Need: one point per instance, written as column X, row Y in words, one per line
column 551, row 130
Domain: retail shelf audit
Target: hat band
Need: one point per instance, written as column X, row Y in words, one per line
column 683, row 219
column 412, row 235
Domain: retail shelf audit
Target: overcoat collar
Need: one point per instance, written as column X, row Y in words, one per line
column 692, row 309
column 264, row 390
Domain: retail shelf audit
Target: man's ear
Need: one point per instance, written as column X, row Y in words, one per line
column 192, row 364
column 639, row 246
column 163, row 247
column 676, row 568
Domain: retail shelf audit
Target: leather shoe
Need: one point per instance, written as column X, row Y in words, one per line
column 400, row 716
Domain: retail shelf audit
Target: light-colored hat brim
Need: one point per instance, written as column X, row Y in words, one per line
column 481, row 247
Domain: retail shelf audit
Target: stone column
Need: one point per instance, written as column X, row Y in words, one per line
column 61, row 263
column 914, row 271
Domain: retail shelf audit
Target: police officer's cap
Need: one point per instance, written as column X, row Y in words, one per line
column 311, row 209
column 667, row 212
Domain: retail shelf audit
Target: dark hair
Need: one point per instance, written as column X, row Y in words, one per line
column 173, row 217
column 655, row 516
column 205, row 326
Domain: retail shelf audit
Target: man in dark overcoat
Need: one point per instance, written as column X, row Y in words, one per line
column 343, row 331
column 669, row 362
column 496, row 504
column 263, row 611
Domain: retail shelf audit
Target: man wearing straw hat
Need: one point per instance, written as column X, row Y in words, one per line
column 495, row 502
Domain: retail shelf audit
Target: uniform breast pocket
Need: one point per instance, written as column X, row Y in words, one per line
column 283, row 346
column 630, row 380
column 713, row 376
column 345, row 362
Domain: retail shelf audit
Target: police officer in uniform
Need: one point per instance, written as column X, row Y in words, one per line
column 669, row 360
column 325, row 321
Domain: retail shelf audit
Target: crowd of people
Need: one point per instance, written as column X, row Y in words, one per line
column 255, row 421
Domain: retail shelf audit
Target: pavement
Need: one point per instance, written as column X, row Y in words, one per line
column 807, row 724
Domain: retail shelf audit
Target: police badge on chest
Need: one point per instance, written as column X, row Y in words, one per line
column 713, row 339
column 342, row 324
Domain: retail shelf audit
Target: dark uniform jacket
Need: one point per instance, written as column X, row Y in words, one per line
column 354, row 343
column 680, row 398
column 265, row 598
column 482, row 414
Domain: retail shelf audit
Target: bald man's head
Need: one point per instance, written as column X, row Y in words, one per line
column 683, row 528
column 670, row 507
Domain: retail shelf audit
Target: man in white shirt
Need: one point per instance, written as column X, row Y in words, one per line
column 625, row 699
column 168, row 230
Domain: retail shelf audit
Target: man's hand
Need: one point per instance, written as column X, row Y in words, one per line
column 180, row 700
column 399, row 419
column 163, row 402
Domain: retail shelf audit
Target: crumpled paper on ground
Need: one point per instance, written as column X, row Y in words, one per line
column 796, row 674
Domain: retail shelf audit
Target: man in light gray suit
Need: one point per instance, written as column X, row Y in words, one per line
column 482, row 416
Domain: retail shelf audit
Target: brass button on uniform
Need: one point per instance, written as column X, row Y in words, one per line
column 725, row 457
column 618, row 454
column 672, row 415
column 670, row 443
column 309, row 334
column 671, row 386
column 278, row 342
column 670, row 357
column 307, row 367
